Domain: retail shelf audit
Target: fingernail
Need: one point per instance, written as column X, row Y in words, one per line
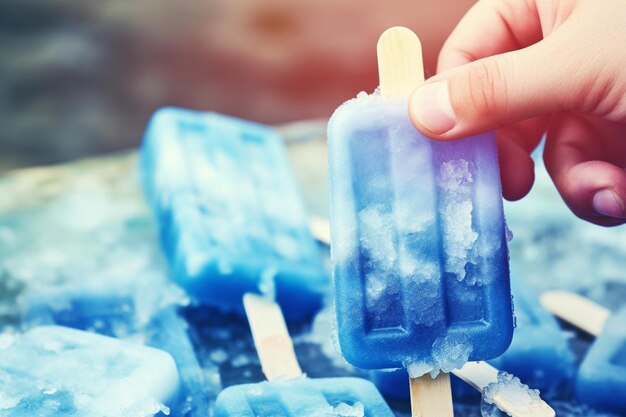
column 431, row 107
column 607, row 203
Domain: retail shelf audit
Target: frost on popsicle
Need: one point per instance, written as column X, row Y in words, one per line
column 456, row 207
column 516, row 393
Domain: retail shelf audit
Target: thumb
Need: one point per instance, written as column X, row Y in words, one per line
column 499, row 90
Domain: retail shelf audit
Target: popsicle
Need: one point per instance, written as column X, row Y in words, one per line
column 56, row 371
column 287, row 392
column 230, row 217
column 419, row 250
column 601, row 379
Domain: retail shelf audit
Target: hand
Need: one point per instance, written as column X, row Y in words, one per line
column 527, row 67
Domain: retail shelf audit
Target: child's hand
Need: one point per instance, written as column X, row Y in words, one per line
column 525, row 67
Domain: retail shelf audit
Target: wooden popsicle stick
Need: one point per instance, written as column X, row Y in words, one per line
column 431, row 396
column 271, row 338
column 480, row 375
column 576, row 310
column 401, row 71
column 400, row 64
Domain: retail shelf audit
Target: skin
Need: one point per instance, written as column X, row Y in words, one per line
column 529, row 67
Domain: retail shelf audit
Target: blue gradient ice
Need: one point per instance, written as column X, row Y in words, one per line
column 56, row 371
column 539, row 354
column 230, row 217
column 601, row 380
column 303, row 397
column 419, row 249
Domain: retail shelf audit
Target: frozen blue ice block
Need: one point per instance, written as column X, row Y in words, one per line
column 601, row 380
column 325, row 397
column 230, row 216
column 419, row 246
column 56, row 371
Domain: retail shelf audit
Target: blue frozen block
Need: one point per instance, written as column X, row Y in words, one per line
column 56, row 371
column 303, row 398
column 601, row 380
column 419, row 248
column 126, row 310
column 230, row 217
column 539, row 354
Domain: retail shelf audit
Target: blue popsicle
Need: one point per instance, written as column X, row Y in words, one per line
column 56, row 371
column 230, row 217
column 303, row 397
column 601, row 380
column 419, row 247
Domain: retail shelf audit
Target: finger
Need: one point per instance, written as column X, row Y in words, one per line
column 515, row 144
column 500, row 90
column 594, row 189
column 517, row 170
column 490, row 28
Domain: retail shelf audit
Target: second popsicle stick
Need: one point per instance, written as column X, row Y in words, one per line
column 576, row 310
column 400, row 71
column 271, row 338
column 481, row 375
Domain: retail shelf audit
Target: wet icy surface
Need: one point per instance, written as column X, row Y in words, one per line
column 86, row 224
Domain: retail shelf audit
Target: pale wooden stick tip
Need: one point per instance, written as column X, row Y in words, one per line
column 400, row 66
column 576, row 310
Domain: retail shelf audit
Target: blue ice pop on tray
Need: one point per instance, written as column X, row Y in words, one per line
column 56, row 371
column 230, row 217
column 303, row 397
column 419, row 248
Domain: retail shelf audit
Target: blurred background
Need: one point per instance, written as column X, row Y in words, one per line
column 80, row 78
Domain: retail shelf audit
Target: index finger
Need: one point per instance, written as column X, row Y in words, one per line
column 491, row 27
